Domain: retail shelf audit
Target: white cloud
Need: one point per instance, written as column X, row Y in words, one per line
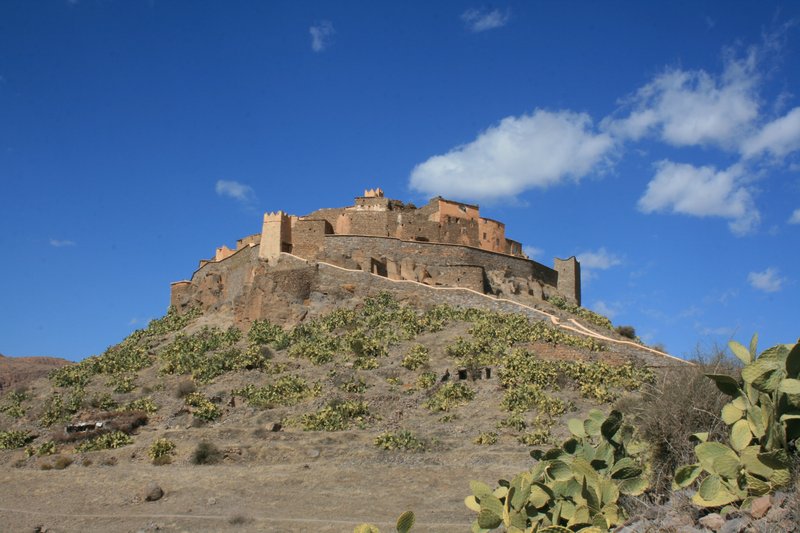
column 601, row 259
column 702, row 192
column 767, row 281
column 233, row 189
column 537, row 150
column 686, row 108
column 719, row 331
column 321, row 35
column 57, row 243
column 795, row 218
column 532, row 252
column 478, row 20
column 609, row 311
column 779, row 137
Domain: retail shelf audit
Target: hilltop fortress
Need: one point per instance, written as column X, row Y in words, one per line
column 442, row 244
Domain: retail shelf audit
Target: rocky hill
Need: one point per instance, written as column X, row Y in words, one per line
column 343, row 414
column 19, row 371
column 383, row 380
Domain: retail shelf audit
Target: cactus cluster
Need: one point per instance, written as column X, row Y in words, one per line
column 46, row 448
column 574, row 486
column 14, row 439
column 586, row 314
column 115, row 439
column 57, row 408
column 450, row 396
column 207, row 354
column 764, row 420
column 12, row 406
column 204, row 409
column 486, row 437
column 145, row 404
column 336, row 416
column 288, row 390
column 161, row 448
column 417, row 356
column 404, row 524
column 400, row 440
column 130, row 355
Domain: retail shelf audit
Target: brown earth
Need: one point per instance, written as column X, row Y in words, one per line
column 280, row 481
column 19, row 371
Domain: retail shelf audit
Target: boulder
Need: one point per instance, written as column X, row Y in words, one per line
column 152, row 492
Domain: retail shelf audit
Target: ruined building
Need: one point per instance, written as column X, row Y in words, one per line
column 444, row 244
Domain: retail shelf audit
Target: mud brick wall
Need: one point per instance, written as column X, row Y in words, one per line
column 338, row 247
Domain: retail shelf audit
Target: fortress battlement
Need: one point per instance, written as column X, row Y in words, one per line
column 443, row 243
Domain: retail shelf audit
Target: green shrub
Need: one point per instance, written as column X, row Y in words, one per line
column 486, row 437
column 626, row 331
column 103, row 401
column 207, row 354
column 204, row 409
column 129, row 356
column 586, row 314
column 47, row 448
column 336, row 416
column 288, row 390
column 416, row 357
column 523, row 398
column 354, row 386
column 539, row 437
column 106, row 441
column 141, row 404
column 450, row 396
column 265, row 333
column 13, row 404
column 53, row 410
column 14, row 439
column 401, row 440
column 160, row 450
column 426, row 380
column 122, row 382
column 514, row 421
column 206, row 453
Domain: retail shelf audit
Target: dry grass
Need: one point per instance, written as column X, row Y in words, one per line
column 682, row 402
column 206, row 453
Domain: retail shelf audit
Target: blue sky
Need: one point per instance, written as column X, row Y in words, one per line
column 658, row 141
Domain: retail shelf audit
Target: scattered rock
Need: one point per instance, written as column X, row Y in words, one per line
column 712, row 521
column 734, row 525
column 776, row 514
column 153, row 492
column 760, row 506
column 313, row 453
column 211, row 501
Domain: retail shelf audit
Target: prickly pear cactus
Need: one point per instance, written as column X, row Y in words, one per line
column 764, row 419
column 571, row 488
column 404, row 524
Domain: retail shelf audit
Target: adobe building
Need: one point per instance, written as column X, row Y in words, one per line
column 443, row 243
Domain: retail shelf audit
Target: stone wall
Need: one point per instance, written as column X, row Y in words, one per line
column 308, row 237
column 443, row 265
column 435, row 254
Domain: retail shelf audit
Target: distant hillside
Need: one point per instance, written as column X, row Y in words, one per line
column 18, row 371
